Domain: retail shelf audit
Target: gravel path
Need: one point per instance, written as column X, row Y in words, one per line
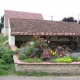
column 39, row 78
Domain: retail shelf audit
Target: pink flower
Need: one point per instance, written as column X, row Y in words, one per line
column 48, row 41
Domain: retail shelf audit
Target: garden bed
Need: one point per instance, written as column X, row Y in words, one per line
column 68, row 68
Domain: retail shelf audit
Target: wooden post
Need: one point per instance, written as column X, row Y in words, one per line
column 72, row 43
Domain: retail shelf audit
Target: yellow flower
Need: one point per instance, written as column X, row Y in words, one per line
column 51, row 52
column 54, row 53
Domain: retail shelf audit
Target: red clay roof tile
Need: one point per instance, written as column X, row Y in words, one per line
column 18, row 14
column 43, row 27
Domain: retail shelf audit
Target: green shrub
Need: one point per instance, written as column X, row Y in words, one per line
column 1, row 50
column 2, row 61
column 22, row 56
column 74, row 58
column 3, row 72
column 79, row 59
column 4, row 67
column 3, row 38
column 30, row 49
column 64, row 60
column 7, row 56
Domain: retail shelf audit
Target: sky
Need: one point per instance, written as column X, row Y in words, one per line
column 56, row 8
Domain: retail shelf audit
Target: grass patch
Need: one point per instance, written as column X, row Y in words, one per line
column 3, row 72
column 40, row 74
column 33, row 60
column 34, row 73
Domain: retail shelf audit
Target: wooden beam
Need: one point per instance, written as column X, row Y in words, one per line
column 49, row 38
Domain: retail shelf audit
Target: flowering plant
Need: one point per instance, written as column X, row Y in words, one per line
column 52, row 52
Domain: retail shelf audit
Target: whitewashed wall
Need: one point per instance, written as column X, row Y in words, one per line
column 6, row 31
column 2, row 30
column 11, row 38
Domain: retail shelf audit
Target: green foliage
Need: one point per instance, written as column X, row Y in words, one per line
column 3, row 38
column 33, row 60
column 4, row 67
column 3, row 72
column 1, row 25
column 64, row 60
column 69, row 19
column 22, row 56
column 40, row 43
column 33, row 48
column 6, row 56
column 7, row 69
column 2, row 19
column 34, row 73
column 30, row 49
column 1, row 51
column 2, row 61
column 79, row 59
column 2, row 22
column 74, row 58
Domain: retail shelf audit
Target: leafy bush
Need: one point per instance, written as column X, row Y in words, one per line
column 64, row 60
column 74, row 58
column 2, row 61
column 6, row 69
column 79, row 59
column 6, row 55
column 1, row 50
column 33, row 49
column 45, row 55
column 3, row 72
column 7, row 58
column 3, row 38
column 22, row 56
column 30, row 49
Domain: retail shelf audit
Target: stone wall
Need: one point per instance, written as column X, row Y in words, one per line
column 69, row 68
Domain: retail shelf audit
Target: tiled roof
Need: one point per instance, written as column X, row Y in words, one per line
column 43, row 27
column 18, row 14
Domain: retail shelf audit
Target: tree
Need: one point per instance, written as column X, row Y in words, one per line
column 2, row 22
column 69, row 19
column 2, row 19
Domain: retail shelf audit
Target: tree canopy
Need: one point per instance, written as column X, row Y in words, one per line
column 2, row 22
column 2, row 19
column 69, row 19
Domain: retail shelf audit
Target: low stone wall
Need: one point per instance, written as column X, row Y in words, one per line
column 69, row 68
